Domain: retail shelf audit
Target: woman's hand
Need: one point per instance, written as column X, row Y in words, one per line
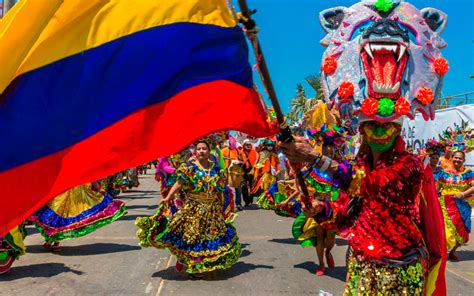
column 312, row 209
column 167, row 200
column 459, row 196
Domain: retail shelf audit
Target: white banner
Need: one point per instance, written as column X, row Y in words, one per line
column 417, row 132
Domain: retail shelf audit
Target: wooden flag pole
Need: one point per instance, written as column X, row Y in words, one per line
column 285, row 132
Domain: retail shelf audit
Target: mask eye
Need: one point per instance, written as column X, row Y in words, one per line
column 412, row 35
column 361, row 28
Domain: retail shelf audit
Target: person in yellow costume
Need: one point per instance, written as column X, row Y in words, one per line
column 76, row 212
column 11, row 247
column 267, row 167
column 456, row 187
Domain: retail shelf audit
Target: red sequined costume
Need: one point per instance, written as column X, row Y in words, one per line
column 389, row 222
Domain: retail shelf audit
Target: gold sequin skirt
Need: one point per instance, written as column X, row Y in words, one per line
column 197, row 234
column 365, row 277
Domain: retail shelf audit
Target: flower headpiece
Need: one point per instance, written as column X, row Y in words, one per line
column 433, row 147
column 459, row 138
column 328, row 134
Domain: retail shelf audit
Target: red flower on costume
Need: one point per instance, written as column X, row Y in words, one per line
column 329, row 65
column 402, row 106
column 345, row 90
column 425, row 95
column 441, row 66
column 370, row 106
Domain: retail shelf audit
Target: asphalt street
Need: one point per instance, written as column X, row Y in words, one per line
column 110, row 262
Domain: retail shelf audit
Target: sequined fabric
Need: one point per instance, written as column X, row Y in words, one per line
column 365, row 277
column 198, row 233
column 199, row 220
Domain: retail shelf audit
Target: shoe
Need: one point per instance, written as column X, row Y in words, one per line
column 47, row 246
column 453, row 258
column 5, row 267
column 320, row 271
column 56, row 248
column 179, row 266
column 330, row 260
column 239, row 208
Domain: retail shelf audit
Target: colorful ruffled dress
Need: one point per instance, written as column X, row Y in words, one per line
column 12, row 247
column 277, row 193
column 200, row 234
column 323, row 187
column 456, row 212
column 77, row 212
column 130, row 179
column 392, row 228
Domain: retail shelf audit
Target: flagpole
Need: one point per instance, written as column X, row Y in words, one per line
column 285, row 132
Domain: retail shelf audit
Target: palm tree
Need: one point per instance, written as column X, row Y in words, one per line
column 315, row 82
column 300, row 104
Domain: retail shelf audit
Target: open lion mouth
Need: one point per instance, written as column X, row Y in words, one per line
column 384, row 66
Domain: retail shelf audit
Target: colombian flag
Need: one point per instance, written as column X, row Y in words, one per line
column 89, row 88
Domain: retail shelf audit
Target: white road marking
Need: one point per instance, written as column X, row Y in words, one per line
column 460, row 276
column 162, row 283
column 149, row 287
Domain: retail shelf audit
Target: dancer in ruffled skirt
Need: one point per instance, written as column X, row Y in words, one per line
column 76, row 212
column 11, row 247
column 200, row 235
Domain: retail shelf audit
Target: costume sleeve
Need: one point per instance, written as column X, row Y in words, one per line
column 184, row 172
column 167, row 167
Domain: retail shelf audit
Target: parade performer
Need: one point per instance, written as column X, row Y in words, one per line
column 112, row 184
column 75, row 213
column 166, row 169
column 12, row 247
column 234, row 169
column 266, row 168
column 282, row 197
column 390, row 210
column 200, row 235
column 249, row 156
column 431, row 152
column 130, row 179
column 330, row 141
column 456, row 187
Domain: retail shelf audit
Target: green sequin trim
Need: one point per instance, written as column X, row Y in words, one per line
column 74, row 233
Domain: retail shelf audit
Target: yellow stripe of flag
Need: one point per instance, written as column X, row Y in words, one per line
column 80, row 25
column 19, row 31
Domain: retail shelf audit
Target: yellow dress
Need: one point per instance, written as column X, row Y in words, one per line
column 77, row 212
column 456, row 212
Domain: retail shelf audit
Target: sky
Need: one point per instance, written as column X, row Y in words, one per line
column 290, row 33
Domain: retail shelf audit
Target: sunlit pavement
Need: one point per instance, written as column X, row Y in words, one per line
column 110, row 262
